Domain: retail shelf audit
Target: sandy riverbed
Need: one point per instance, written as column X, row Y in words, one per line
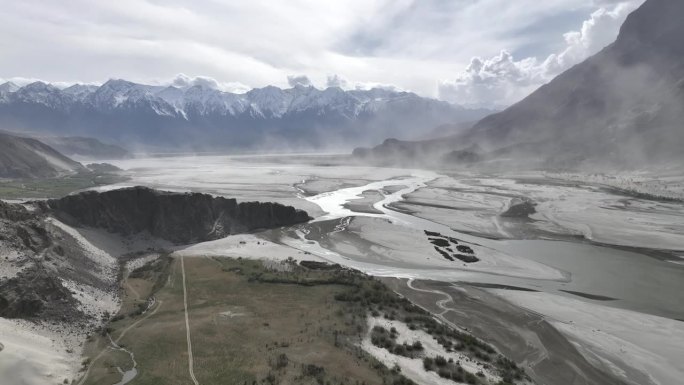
column 33, row 354
column 385, row 243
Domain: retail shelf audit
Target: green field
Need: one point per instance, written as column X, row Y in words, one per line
column 248, row 325
column 55, row 187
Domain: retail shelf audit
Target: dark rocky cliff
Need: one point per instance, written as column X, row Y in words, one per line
column 13, row 212
column 35, row 293
column 178, row 217
column 43, row 254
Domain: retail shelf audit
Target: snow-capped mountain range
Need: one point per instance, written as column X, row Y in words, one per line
column 198, row 115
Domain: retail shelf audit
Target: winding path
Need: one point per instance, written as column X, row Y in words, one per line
column 441, row 303
column 187, row 326
column 123, row 333
column 529, row 362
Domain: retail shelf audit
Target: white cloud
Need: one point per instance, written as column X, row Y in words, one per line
column 184, row 81
column 22, row 81
column 598, row 31
column 299, row 80
column 337, row 81
column 371, row 85
column 344, row 83
column 502, row 80
column 493, row 82
column 410, row 44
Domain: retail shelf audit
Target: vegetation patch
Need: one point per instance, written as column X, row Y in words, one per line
column 291, row 329
column 296, row 325
column 371, row 296
column 443, row 245
column 451, row 370
column 56, row 187
column 383, row 338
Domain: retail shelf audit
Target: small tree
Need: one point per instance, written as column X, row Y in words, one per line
column 428, row 363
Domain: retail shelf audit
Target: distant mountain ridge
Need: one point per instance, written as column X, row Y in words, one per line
column 622, row 107
column 30, row 158
column 625, row 103
column 91, row 148
column 201, row 116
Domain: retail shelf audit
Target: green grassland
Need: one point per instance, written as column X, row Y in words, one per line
column 249, row 325
column 254, row 325
column 55, row 187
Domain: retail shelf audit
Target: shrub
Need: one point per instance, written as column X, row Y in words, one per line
column 444, row 373
column 470, row 378
column 312, row 370
column 282, row 361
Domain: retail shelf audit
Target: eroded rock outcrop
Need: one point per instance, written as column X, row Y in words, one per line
column 41, row 265
column 520, row 208
column 52, row 273
column 13, row 212
column 36, row 294
column 178, row 217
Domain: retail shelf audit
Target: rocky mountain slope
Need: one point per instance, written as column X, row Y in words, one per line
column 203, row 117
column 30, row 158
column 42, row 262
column 61, row 283
column 622, row 107
column 85, row 147
column 51, row 272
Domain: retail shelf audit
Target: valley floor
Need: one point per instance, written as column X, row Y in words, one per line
column 577, row 278
column 264, row 321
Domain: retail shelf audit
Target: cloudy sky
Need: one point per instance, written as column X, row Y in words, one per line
column 472, row 52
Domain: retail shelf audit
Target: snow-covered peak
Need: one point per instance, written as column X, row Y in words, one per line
column 80, row 91
column 116, row 92
column 307, row 98
column 269, row 101
column 266, row 93
column 198, row 99
column 117, row 85
column 377, row 94
column 175, row 96
column 42, row 93
column 38, row 87
column 8, row 87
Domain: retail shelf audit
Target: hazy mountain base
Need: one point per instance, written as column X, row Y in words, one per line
column 30, row 158
column 82, row 147
column 620, row 109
